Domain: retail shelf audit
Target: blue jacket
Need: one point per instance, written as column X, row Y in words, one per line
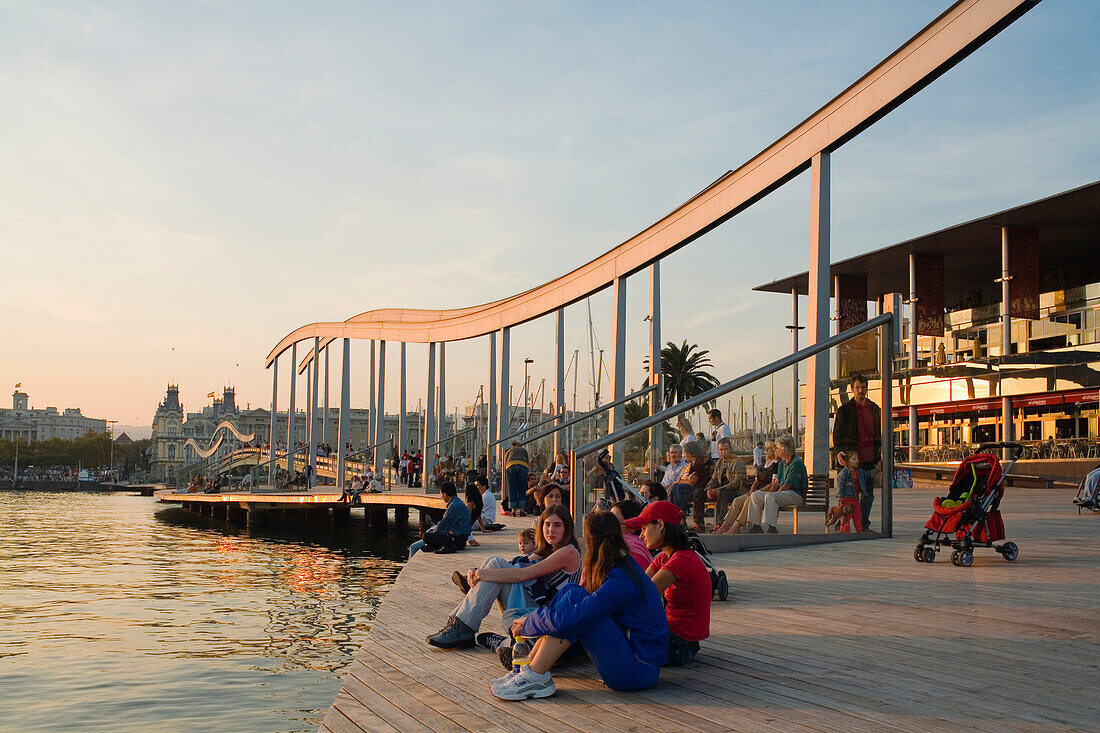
column 456, row 519
column 632, row 602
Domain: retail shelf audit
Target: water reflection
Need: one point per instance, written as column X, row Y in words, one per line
column 118, row 615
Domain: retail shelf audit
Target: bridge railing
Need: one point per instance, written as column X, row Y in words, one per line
column 588, row 478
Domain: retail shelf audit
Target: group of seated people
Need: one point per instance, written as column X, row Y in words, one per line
column 453, row 531
column 637, row 600
column 370, row 483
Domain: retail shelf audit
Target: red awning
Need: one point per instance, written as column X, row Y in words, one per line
column 1038, row 400
column 1081, row 395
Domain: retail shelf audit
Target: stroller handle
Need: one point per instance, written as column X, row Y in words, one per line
column 1017, row 448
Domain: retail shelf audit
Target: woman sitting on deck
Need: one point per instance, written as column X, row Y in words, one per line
column 680, row 575
column 497, row 579
column 616, row 615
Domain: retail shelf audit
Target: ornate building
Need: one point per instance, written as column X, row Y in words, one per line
column 29, row 424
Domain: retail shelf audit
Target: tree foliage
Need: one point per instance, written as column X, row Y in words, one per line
column 91, row 450
column 684, row 369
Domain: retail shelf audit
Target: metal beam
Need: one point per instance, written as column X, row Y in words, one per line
column 274, row 409
column 290, row 411
column 441, row 408
column 559, row 371
column 402, row 422
column 491, row 406
column 504, row 416
column 618, row 352
column 951, row 37
column 656, row 374
column 372, row 414
column 912, row 356
column 816, row 448
column 428, row 437
column 344, row 431
column 313, row 415
column 380, row 430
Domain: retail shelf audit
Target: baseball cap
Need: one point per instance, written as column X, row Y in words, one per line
column 666, row 511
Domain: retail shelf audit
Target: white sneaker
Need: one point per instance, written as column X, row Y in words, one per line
column 526, row 684
column 495, row 683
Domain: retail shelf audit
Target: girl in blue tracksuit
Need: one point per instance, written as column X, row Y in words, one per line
column 617, row 615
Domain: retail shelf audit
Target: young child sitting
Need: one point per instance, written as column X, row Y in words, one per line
column 848, row 490
column 527, row 556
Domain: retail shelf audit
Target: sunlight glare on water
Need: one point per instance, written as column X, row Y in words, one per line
column 121, row 614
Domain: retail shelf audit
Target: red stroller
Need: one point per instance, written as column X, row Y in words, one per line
column 969, row 516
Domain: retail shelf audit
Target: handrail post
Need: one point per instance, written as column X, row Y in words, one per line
column 290, row 411
column 886, row 378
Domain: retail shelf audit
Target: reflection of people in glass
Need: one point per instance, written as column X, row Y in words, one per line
column 858, row 429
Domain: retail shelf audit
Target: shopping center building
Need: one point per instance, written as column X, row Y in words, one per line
column 1035, row 267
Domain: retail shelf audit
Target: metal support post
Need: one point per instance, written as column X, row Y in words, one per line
column 324, row 414
column 504, row 426
column 344, row 432
column 559, row 372
column 441, row 408
column 816, row 448
column 618, row 354
column 491, row 406
column 912, row 355
column 429, row 419
column 886, row 354
column 1006, row 343
column 274, row 415
column 380, row 425
column 290, row 412
column 402, row 423
column 656, row 373
column 371, row 415
column 313, row 411
column 794, row 328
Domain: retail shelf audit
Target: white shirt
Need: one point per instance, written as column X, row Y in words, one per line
column 758, row 456
column 672, row 472
column 488, row 507
column 375, row 486
column 720, row 431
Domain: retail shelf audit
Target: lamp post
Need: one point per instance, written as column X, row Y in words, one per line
column 111, row 437
column 526, row 402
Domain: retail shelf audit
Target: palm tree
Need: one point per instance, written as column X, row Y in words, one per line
column 685, row 372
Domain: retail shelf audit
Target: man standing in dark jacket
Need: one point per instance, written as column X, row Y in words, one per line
column 858, row 429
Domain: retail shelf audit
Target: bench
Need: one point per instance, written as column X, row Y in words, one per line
column 817, row 498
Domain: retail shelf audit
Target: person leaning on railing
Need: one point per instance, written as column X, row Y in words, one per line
column 788, row 489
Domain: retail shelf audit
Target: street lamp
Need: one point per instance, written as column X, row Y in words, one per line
column 111, row 437
column 526, row 404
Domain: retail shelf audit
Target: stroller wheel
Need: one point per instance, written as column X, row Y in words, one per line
column 955, row 557
column 723, row 586
column 966, row 558
column 929, row 554
column 918, row 554
column 1009, row 551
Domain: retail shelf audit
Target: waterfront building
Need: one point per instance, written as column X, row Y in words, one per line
column 29, row 424
column 965, row 379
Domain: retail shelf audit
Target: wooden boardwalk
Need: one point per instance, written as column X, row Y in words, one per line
column 842, row 637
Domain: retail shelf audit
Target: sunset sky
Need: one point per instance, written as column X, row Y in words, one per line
column 183, row 183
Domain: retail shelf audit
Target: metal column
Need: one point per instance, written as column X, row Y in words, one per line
column 912, row 355
column 313, row 410
column 371, row 413
column 795, row 328
column 402, row 423
column 618, row 355
column 441, row 408
column 886, row 354
column 559, row 372
column 816, row 448
column 324, row 414
column 505, row 417
column 344, row 431
column 491, row 406
column 380, row 426
column 656, row 374
column 1006, row 342
column 290, row 412
column 429, row 420
column 274, row 414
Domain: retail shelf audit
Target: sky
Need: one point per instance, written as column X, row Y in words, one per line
column 184, row 183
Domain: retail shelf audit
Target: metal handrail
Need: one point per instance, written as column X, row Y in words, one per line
column 585, row 415
column 885, row 321
column 361, row 451
column 527, row 429
column 449, row 437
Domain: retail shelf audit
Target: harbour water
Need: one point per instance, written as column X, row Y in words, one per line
column 121, row 614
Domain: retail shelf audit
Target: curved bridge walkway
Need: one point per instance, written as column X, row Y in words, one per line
column 853, row 637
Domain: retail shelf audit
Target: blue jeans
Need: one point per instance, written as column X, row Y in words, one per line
column 866, row 500
column 517, row 487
